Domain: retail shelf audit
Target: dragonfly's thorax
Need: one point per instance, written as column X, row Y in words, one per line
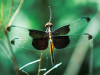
column 49, row 30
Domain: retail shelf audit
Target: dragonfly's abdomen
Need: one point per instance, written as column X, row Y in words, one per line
column 52, row 52
column 51, row 46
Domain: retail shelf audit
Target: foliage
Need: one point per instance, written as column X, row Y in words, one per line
column 34, row 14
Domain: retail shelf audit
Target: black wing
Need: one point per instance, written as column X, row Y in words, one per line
column 73, row 27
column 40, row 43
column 61, row 41
column 37, row 33
column 70, row 41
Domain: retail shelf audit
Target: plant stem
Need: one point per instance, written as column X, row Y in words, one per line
column 40, row 62
column 91, row 59
column 5, row 49
column 10, row 12
column 12, row 55
column 11, row 20
column 1, row 12
column 5, row 31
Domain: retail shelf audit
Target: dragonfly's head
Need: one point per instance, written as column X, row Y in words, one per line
column 48, row 24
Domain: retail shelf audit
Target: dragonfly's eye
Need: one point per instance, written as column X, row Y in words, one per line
column 48, row 24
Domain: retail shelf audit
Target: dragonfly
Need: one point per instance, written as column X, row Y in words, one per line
column 60, row 38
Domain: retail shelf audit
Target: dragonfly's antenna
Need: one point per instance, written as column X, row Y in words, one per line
column 50, row 14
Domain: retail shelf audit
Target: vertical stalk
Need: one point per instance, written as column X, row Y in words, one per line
column 5, row 31
column 10, row 12
column 1, row 12
column 5, row 49
column 16, row 12
column 40, row 62
column 12, row 55
column 91, row 59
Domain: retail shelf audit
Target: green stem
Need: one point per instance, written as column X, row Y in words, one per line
column 10, row 12
column 91, row 58
column 1, row 12
column 12, row 55
column 5, row 49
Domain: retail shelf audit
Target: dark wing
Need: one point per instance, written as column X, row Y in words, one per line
column 37, row 33
column 40, row 43
column 73, row 27
column 62, row 30
column 24, row 32
column 61, row 41
column 70, row 41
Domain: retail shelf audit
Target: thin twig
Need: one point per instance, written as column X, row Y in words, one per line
column 5, row 49
column 91, row 58
column 1, row 12
column 13, row 56
column 10, row 48
column 16, row 12
column 10, row 12
column 29, row 64
column 40, row 62
column 52, row 68
column 25, row 72
column 43, row 69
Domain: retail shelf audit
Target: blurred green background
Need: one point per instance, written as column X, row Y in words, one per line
column 35, row 14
